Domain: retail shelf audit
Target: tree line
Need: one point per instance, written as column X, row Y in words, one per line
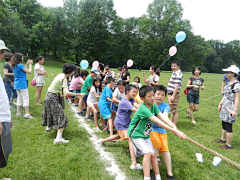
column 92, row 30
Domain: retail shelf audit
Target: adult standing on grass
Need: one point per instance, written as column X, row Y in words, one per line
column 5, row 119
column 39, row 73
column 53, row 115
column 20, row 83
column 225, row 80
column 101, row 70
column 9, row 77
column 194, row 84
column 153, row 80
column 110, row 73
column 125, row 74
column 228, row 107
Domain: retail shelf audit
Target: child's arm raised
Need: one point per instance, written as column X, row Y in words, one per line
column 236, row 103
column 178, row 133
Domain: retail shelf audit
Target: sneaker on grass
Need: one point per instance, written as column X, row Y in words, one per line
column 80, row 114
column 220, row 141
column 21, row 114
column 28, row 116
column 49, row 128
column 138, row 167
column 100, row 141
column 61, row 140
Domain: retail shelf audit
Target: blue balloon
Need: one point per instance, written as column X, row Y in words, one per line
column 180, row 36
column 84, row 64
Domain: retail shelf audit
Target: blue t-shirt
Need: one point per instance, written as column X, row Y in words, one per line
column 225, row 79
column 103, row 104
column 163, row 107
column 20, row 78
column 124, row 113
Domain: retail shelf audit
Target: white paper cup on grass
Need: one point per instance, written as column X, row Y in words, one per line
column 199, row 157
column 216, row 161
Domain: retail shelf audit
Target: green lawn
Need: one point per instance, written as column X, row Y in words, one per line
column 35, row 157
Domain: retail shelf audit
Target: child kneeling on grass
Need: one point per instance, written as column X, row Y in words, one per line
column 228, row 107
column 159, row 135
column 140, row 128
column 122, row 121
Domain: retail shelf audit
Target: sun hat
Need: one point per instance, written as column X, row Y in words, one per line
column 2, row 45
column 232, row 69
column 95, row 71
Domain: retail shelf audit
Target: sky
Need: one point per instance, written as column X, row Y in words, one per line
column 212, row 19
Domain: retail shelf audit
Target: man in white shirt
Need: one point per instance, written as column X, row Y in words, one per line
column 5, row 118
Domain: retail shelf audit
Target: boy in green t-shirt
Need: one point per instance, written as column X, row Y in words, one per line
column 86, row 88
column 140, row 128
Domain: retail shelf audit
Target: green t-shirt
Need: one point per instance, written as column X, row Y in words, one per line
column 141, row 126
column 87, row 83
column 59, row 82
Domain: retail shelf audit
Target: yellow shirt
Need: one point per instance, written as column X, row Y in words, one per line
column 137, row 98
column 59, row 82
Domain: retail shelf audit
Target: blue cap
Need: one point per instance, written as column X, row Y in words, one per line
column 95, row 71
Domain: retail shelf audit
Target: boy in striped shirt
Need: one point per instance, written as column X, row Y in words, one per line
column 173, row 89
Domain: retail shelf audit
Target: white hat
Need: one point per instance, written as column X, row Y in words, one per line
column 233, row 69
column 135, row 84
column 2, row 45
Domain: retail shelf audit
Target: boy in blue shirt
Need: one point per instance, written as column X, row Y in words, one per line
column 158, row 135
column 105, row 102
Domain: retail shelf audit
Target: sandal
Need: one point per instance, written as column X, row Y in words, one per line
column 105, row 129
column 97, row 130
column 159, row 160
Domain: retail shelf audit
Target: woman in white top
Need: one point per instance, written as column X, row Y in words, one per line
column 153, row 80
column 110, row 73
column 39, row 73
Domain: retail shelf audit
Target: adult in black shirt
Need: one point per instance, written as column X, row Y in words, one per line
column 125, row 74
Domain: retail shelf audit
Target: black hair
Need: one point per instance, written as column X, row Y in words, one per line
column 17, row 59
column 129, row 87
column 144, row 90
column 110, row 79
column 160, row 88
column 138, row 79
column 157, row 71
column 101, row 65
column 108, row 66
column 121, row 82
column 176, row 62
column 39, row 58
column 196, row 67
column 8, row 56
column 119, row 68
column 77, row 72
column 68, row 68
column 84, row 73
column 93, row 83
column 125, row 67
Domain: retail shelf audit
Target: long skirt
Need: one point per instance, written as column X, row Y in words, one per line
column 53, row 114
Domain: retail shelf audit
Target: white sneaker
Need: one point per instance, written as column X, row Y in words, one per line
column 138, row 167
column 49, row 128
column 100, row 141
column 188, row 115
column 28, row 116
column 21, row 114
column 61, row 140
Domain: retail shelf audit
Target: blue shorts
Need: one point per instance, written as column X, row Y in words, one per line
column 85, row 99
column 194, row 98
column 114, row 107
column 105, row 117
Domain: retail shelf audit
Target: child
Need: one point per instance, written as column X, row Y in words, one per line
column 137, row 97
column 118, row 94
column 158, row 135
column 173, row 89
column 86, row 88
column 122, row 121
column 137, row 80
column 76, row 83
column 92, row 101
column 228, row 107
column 105, row 102
column 140, row 128
column 119, row 73
column 194, row 84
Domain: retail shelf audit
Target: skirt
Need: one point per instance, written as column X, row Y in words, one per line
column 53, row 114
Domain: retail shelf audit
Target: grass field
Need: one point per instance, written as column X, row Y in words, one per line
column 35, row 157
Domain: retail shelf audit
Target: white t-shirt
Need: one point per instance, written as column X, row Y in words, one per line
column 91, row 96
column 39, row 78
column 118, row 95
column 154, row 78
column 5, row 113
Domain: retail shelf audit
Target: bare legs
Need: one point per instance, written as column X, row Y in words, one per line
column 191, row 109
column 38, row 94
column 228, row 135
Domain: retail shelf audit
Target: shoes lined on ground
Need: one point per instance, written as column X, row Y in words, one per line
column 137, row 167
column 61, row 140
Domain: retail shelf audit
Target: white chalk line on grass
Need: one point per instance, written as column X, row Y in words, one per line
column 113, row 169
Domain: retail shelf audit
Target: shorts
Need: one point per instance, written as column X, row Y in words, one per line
column 159, row 140
column 194, row 98
column 5, row 144
column 23, row 97
column 173, row 105
column 123, row 134
column 114, row 107
column 105, row 117
column 90, row 104
column 142, row 146
column 39, row 84
column 85, row 99
column 227, row 126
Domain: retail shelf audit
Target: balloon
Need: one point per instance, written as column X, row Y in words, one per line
column 180, row 36
column 129, row 63
column 95, row 64
column 172, row 51
column 84, row 64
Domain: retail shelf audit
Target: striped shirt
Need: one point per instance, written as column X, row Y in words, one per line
column 175, row 80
